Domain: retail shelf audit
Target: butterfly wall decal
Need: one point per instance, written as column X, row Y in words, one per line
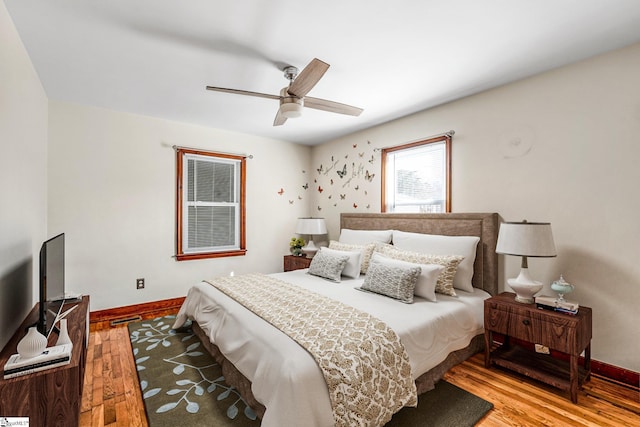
column 290, row 202
column 281, row 192
column 355, row 145
column 355, row 206
column 369, row 176
column 306, row 186
column 319, row 208
column 320, row 169
column 343, row 172
column 320, row 189
column 342, row 196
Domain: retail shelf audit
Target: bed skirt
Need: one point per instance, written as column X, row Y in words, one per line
column 424, row 383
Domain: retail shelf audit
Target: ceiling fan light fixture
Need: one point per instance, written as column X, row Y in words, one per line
column 294, row 96
column 291, row 110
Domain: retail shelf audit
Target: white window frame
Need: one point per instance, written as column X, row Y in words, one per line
column 389, row 184
column 184, row 252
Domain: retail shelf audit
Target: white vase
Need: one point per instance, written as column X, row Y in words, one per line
column 63, row 336
column 32, row 344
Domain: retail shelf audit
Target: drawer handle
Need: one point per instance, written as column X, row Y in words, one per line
column 526, row 322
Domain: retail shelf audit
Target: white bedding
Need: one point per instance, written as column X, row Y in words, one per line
column 286, row 379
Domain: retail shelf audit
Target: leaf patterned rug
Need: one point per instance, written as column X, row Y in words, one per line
column 183, row 386
column 181, row 383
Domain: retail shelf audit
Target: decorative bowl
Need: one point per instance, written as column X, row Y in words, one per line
column 562, row 287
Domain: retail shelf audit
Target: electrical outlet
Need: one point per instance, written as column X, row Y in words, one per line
column 139, row 283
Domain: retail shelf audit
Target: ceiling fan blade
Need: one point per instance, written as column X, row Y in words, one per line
column 332, row 106
column 280, row 119
column 243, row 92
column 308, row 78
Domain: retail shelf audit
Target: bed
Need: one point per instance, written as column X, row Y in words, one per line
column 281, row 388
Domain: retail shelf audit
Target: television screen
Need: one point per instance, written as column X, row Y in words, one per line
column 51, row 282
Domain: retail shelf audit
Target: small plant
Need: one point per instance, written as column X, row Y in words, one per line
column 296, row 244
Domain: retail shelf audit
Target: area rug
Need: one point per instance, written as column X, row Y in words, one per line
column 182, row 385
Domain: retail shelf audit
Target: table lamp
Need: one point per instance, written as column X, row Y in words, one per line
column 525, row 239
column 310, row 227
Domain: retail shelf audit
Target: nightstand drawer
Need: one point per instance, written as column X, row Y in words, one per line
column 556, row 332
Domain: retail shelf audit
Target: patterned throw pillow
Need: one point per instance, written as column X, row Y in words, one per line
column 443, row 245
column 450, row 263
column 426, row 286
column 352, row 268
column 328, row 266
column 394, row 282
column 365, row 250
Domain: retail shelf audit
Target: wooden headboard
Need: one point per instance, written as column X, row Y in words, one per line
column 482, row 225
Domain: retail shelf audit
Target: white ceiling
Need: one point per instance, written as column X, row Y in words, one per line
column 392, row 58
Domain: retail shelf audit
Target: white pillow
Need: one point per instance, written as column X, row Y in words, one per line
column 426, row 286
column 443, row 245
column 352, row 269
column 363, row 237
column 365, row 250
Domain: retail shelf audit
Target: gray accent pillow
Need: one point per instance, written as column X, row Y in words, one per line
column 327, row 265
column 392, row 281
column 352, row 268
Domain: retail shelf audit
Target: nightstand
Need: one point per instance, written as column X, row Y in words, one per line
column 296, row 262
column 565, row 333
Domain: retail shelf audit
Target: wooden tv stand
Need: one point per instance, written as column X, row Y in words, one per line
column 51, row 397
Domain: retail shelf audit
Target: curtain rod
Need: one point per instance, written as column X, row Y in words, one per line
column 449, row 134
column 248, row 156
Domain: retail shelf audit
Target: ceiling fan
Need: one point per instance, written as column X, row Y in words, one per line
column 293, row 97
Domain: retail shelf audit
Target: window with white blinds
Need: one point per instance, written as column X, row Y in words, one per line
column 416, row 177
column 211, row 208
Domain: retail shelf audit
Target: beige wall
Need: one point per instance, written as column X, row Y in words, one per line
column 582, row 124
column 111, row 187
column 112, row 191
column 23, row 176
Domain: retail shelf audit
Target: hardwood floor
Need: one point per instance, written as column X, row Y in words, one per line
column 112, row 396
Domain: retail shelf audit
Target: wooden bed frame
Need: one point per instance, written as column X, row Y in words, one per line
column 485, row 276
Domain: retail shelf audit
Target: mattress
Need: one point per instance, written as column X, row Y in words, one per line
column 286, row 379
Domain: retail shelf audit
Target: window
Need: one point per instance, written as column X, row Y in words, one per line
column 416, row 177
column 210, row 205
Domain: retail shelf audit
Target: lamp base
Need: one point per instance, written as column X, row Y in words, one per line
column 310, row 250
column 525, row 287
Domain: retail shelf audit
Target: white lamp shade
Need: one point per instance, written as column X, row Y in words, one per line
column 530, row 239
column 311, row 226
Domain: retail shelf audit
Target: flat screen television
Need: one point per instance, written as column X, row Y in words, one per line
column 51, row 283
